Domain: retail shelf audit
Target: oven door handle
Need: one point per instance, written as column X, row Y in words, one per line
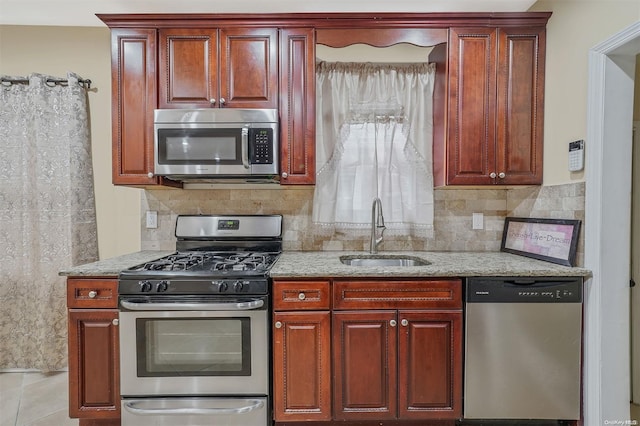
column 162, row 410
column 229, row 306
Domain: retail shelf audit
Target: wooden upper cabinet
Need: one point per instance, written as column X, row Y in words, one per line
column 520, row 105
column 297, row 106
column 231, row 67
column 495, row 107
column 188, row 68
column 134, row 97
column 249, row 67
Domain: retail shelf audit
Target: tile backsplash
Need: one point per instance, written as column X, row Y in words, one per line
column 452, row 215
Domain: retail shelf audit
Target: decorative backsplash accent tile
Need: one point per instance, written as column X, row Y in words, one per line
column 452, row 223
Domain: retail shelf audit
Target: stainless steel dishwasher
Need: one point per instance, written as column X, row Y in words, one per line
column 523, row 348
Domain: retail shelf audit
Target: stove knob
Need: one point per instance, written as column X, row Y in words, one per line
column 162, row 286
column 237, row 286
column 145, row 286
column 222, row 286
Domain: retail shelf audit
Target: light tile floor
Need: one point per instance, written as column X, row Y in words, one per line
column 34, row 399
column 37, row 399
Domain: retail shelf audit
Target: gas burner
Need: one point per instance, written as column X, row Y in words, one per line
column 213, row 261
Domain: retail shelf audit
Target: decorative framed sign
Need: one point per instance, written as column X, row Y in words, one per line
column 552, row 240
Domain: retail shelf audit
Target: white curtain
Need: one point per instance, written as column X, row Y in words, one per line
column 374, row 138
column 47, row 215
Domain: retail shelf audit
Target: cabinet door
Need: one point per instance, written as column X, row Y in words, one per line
column 302, row 366
column 249, row 67
column 365, row 365
column 472, row 106
column 430, row 364
column 520, row 104
column 297, row 106
column 134, row 97
column 94, row 373
column 188, row 68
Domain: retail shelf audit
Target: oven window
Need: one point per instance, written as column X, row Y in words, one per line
column 200, row 146
column 193, row 347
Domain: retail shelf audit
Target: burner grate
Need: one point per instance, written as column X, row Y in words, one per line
column 214, row 261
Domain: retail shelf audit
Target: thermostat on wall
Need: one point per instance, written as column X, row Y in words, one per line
column 576, row 156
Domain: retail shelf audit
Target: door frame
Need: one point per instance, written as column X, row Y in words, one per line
column 607, row 230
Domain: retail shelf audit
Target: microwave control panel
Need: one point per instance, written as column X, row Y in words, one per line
column 261, row 146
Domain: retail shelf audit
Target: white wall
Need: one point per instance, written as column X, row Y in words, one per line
column 574, row 27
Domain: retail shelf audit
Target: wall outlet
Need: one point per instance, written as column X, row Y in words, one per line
column 152, row 219
column 478, row 221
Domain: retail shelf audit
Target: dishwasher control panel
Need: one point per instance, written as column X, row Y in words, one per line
column 524, row 290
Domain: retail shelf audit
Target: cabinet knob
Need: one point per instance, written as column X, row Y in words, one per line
column 393, row 323
column 284, row 175
column 404, row 322
column 150, row 174
column 492, row 175
column 223, row 101
column 93, row 294
column 115, row 321
column 278, row 324
column 301, row 296
column 212, row 101
column 501, row 175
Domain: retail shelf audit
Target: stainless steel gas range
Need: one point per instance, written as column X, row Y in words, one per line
column 194, row 326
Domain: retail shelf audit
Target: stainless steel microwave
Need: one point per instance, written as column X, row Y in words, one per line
column 216, row 143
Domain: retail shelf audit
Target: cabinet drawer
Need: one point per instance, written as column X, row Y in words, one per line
column 397, row 294
column 301, row 295
column 92, row 293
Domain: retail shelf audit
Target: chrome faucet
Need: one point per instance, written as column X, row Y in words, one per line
column 377, row 222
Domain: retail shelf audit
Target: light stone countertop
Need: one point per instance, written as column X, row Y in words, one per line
column 443, row 264
column 113, row 266
column 309, row 264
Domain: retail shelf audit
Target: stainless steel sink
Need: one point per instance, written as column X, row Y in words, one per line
column 383, row 260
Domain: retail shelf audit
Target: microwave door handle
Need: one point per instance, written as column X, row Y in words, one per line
column 163, row 409
column 231, row 306
column 245, row 147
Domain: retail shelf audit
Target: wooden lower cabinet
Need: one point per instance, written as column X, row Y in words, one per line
column 402, row 365
column 367, row 352
column 94, row 385
column 94, row 371
column 301, row 351
column 365, row 365
column 302, row 366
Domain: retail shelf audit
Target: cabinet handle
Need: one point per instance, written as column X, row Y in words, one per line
column 223, row 101
column 404, row 322
column 501, row 175
column 278, row 324
column 93, row 294
column 492, row 175
column 284, row 175
column 150, row 175
column 393, row 323
column 212, row 101
column 301, row 296
column 115, row 321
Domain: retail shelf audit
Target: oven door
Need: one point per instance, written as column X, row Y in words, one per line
column 193, row 346
column 195, row 412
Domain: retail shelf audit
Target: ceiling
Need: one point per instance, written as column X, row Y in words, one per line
column 82, row 12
